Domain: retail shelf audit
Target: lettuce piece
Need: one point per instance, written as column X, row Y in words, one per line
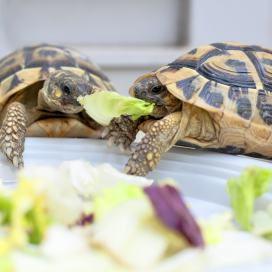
column 212, row 229
column 243, row 190
column 50, row 187
column 173, row 212
column 61, row 241
column 29, row 217
column 134, row 235
column 90, row 180
column 262, row 222
column 104, row 106
column 111, row 197
column 5, row 210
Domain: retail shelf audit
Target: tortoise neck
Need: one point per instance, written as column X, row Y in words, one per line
column 42, row 104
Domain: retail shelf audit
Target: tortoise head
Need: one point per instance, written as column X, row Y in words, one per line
column 151, row 90
column 62, row 88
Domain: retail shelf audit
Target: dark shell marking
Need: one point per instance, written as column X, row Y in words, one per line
column 229, row 46
column 210, row 54
column 264, row 107
column 212, row 98
column 187, row 86
column 238, row 95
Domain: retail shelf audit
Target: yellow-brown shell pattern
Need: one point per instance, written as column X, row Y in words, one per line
column 233, row 82
column 34, row 63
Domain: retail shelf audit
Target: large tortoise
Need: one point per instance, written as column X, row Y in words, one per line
column 216, row 97
column 39, row 87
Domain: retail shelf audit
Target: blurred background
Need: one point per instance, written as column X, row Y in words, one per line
column 130, row 38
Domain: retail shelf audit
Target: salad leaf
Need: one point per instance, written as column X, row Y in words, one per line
column 262, row 222
column 89, row 180
column 171, row 209
column 103, row 106
column 134, row 235
column 29, row 218
column 50, row 187
column 252, row 182
column 111, row 197
column 212, row 228
column 62, row 241
column 5, row 210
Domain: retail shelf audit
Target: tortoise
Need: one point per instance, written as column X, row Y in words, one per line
column 216, row 97
column 39, row 87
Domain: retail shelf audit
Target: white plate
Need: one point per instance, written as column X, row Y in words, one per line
column 202, row 175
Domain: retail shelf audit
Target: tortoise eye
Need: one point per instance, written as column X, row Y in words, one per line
column 66, row 89
column 157, row 89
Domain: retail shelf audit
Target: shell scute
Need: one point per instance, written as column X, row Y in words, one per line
column 190, row 60
column 263, row 64
column 188, row 87
column 233, row 69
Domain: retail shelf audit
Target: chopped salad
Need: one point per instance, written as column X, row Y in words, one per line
column 78, row 217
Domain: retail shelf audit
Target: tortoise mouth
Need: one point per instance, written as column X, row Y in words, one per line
column 159, row 111
column 65, row 107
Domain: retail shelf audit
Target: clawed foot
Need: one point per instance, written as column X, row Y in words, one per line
column 145, row 157
column 122, row 132
column 12, row 134
column 161, row 135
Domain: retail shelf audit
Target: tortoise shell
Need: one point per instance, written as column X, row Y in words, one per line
column 34, row 63
column 233, row 83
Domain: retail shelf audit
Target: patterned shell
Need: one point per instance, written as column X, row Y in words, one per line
column 34, row 63
column 233, row 82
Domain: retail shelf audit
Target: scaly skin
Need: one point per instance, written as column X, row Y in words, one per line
column 122, row 131
column 162, row 136
column 12, row 136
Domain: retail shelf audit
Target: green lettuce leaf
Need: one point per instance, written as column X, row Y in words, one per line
column 5, row 209
column 253, row 182
column 111, row 197
column 104, row 106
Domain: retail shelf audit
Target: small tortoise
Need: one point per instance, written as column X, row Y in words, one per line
column 39, row 87
column 216, row 97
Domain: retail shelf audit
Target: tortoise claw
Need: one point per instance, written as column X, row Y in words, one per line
column 111, row 142
column 15, row 161
column 8, row 151
column 122, row 148
column 126, row 170
column 118, row 119
column 129, row 151
column 105, row 132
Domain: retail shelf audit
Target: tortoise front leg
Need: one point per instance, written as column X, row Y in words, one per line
column 12, row 134
column 160, row 138
column 122, row 131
